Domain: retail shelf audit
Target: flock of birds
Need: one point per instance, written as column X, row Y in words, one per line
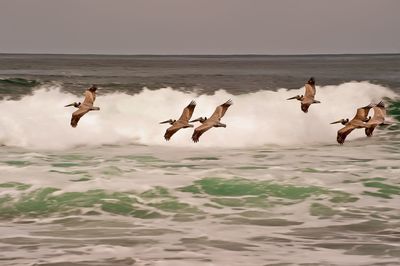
column 206, row 123
column 360, row 120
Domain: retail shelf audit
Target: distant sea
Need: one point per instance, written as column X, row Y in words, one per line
column 272, row 188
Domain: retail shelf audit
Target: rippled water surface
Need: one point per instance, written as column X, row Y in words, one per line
column 138, row 205
column 273, row 188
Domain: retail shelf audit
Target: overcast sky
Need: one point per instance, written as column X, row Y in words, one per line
column 200, row 26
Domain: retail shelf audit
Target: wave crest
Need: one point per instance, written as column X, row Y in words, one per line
column 19, row 82
column 40, row 121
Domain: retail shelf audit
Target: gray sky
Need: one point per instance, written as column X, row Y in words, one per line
column 200, row 26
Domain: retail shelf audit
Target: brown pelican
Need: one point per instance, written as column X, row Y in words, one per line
column 182, row 122
column 213, row 121
column 86, row 106
column 377, row 119
column 358, row 121
column 308, row 98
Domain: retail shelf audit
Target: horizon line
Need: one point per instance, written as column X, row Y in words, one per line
column 211, row 54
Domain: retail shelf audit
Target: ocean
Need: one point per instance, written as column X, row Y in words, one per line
column 272, row 188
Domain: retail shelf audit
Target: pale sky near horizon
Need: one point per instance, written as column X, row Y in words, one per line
column 200, row 26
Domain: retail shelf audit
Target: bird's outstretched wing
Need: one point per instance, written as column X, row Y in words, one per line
column 78, row 114
column 171, row 131
column 187, row 112
column 343, row 132
column 221, row 110
column 310, row 91
column 85, row 107
column 198, row 131
column 305, row 106
column 379, row 114
column 377, row 119
column 362, row 113
column 370, row 130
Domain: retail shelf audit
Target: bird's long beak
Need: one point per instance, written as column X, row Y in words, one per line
column 291, row 98
column 195, row 120
column 164, row 122
column 336, row 122
column 71, row 104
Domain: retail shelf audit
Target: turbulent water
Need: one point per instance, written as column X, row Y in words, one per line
column 272, row 188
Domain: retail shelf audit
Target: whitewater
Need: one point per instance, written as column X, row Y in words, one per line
column 272, row 188
column 39, row 121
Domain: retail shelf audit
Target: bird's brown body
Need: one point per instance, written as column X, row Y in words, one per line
column 358, row 121
column 182, row 122
column 309, row 96
column 85, row 107
column 377, row 119
column 213, row 121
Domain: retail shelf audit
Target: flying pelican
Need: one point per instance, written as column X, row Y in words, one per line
column 86, row 106
column 377, row 119
column 308, row 98
column 213, row 121
column 358, row 121
column 182, row 122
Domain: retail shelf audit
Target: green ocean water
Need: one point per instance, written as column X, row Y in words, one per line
column 141, row 205
column 124, row 196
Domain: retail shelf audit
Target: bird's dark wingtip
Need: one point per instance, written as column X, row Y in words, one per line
column 340, row 141
column 369, row 105
column 381, row 104
column 228, row 102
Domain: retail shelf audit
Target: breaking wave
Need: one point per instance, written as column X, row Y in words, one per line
column 39, row 121
column 19, row 82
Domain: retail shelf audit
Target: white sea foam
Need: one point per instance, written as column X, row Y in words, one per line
column 40, row 121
